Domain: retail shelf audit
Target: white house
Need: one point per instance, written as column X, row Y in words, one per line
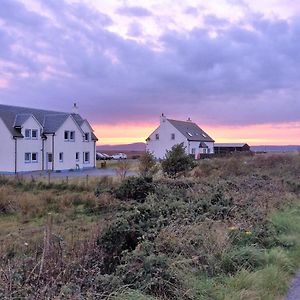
column 172, row 132
column 34, row 139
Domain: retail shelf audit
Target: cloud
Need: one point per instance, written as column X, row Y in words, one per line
column 247, row 72
column 134, row 11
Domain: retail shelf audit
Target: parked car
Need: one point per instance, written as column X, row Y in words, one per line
column 107, row 157
column 100, row 156
column 119, row 156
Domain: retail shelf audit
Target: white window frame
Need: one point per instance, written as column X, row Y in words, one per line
column 86, row 136
column 36, row 137
column 27, row 137
column 72, row 133
column 68, row 135
column 61, row 157
column 27, row 161
column 77, row 154
column 84, row 160
column 37, row 157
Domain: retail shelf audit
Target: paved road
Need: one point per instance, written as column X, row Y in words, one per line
column 79, row 173
column 294, row 291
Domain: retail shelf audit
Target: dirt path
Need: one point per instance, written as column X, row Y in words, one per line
column 294, row 291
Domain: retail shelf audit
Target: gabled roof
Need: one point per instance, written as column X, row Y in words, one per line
column 191, row 131
column 15, row 116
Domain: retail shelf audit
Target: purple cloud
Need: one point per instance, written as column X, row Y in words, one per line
column 241, row 75
column 134, row 11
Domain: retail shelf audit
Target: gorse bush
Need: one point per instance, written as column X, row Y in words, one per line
column 147, row 164
column 177, row 161
column 135, row 188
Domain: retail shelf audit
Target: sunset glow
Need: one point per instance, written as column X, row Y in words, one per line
column 265, row 134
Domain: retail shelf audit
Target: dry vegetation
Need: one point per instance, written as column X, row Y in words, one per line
column 227, row 229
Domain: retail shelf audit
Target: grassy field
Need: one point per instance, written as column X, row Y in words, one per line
column 228, row 229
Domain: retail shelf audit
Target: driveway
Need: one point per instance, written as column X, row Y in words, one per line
column 78, row 173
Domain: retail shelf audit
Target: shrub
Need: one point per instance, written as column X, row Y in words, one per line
column 135, row 188
column 146, row 164
column 177, row 161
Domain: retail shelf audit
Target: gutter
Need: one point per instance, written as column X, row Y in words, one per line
column 53, row 152
column 16, row 153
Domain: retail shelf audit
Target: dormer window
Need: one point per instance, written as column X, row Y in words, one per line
column 27, row 133
column 34, row 134
column 87, row 136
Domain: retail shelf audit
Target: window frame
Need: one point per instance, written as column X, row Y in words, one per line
column 61, row 157
column 193, row 151
column 84, row 157
column 68, row 135
column 37, row 157
column 86, row 136
column 27, row 137
column 77, row 154
column 72, row 136
column 27, row 161
column 36, row 131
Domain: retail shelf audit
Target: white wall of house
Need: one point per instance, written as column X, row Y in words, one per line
column 193, row 148
column 30, row 147
column 7, row 149
column 165, row 142
column 88, row 146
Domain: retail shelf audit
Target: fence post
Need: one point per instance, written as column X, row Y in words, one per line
column 87, row 180
column 48, row 178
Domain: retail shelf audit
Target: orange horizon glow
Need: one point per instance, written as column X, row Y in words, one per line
column 263, row 134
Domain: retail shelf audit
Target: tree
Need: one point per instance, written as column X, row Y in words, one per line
column 177, row 160
column 147, row 164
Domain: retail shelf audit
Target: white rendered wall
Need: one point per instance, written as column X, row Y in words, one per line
column 29, row 145
column 159, row 147
column 7, row 149
column 89, row 146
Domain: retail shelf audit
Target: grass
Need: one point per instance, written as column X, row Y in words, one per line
column 270, row 280
column 228, row 229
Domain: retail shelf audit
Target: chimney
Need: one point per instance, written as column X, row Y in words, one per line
column 75, row 108
column 189, row 119
column 163, row 118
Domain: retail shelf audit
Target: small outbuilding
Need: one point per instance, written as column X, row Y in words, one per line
column 227, row 148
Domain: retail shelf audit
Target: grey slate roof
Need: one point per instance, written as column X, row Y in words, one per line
column 191, row 131
column 51, row 120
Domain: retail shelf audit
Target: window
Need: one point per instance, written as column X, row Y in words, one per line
column 27, row 157
column 204, row 150
column 77, row 156
column 208, row 150
column 34, row 134
column 87, row 136
column 172, row 136
column 34, row 157
column 157, row 136
column 49, row 157
column 67, row 135
column 193, row 150
column 27, row 133
column 72, row 136
column 86, row 157
column 61, row 157
column 189, row 134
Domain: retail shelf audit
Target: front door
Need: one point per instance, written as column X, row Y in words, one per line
column 49, row 161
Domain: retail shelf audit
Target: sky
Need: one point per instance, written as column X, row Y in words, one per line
column 232, row 66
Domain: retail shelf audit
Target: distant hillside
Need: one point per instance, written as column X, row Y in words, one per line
column 123, row 147
column 270, row 148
